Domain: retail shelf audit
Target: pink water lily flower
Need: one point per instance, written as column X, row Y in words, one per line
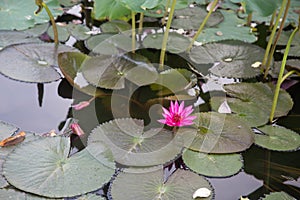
column 177, row 115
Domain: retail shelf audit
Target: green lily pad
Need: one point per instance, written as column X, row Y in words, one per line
column 19, row 15
column 263, row 8
column 213, row 165
column 278, row 196
column 110, row 72
column 262, row 95
column 8, row 38
column 50, row 172
column 37, row 30
column 218, row 133
column 141, row 5
column 232, row 28
column 31, row 62
column 115, row 26
column 231, row 58
column 62, row 31
column 278, row 138
column 91, row 197
column 133, row 146
column 249, row 112
column 110, row 9
column 177, row 43
column 19, row 195
column 191, row 18
column 79, row 31
column 69, row 3
column 148, row 186
column 70, row 64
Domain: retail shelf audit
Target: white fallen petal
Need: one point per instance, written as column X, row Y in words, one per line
column 202, row 192
column 224, row 108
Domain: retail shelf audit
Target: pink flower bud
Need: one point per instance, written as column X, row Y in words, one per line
column 81, row 105
column 76, row 129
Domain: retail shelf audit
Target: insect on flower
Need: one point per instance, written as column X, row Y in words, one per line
column 177, row 115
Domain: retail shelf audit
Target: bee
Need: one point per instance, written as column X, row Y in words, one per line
column 13, row 140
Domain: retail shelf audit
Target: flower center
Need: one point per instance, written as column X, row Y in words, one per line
column 177, row 118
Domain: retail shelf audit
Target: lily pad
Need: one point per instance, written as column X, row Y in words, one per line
column 262, row 95
column 37, row 30
column 191, row 18
column 91, row 197
column 115, row 26
column 232, row 28
column 19, row 15
column 111, row 72
column 19, row 195
column 62, row 31
column 278, row 196
column 133, row 146
column 31, row 62
column 230, row 58
column 8, row 38
column 50, row 172
column 213, row 165
column 278, row 138
column 148, row 186
column 177, row 43
column 110, row 9
column 218, row 133
column 141, row 5
column 79, row 31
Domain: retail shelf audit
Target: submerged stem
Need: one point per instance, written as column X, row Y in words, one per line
column 141, row 23
column 166, row 35
column 133, row 31
column 203, row 24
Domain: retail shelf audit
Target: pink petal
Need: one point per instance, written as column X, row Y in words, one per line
column 81, row 105
column 176, row 107
column 77, row 129
column 163, row 121
column 180, row 109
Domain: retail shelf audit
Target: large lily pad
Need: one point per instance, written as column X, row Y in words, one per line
column 230, row 58
column 110, row 9
column 50, row 172
column 111, row 72
column 278, row 196
column 133, row 146
column 191, row 18
column 91, row 197
column 14, row 37
column 213, row 165
column 177, row 43
column 151, row 186
column 31, row 62
column 19, row 15
column 141, row 5
column 278, row 138
column 62, row 31
column 19, row 195
column 218, row 133
column 115, row 26
column 262, row 95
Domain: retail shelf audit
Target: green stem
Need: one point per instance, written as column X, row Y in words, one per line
column 265, row 59
column 203, row 24
column 141, row 23
column 52, row 22
column 287, row 75
column 249, row 19
column 272, row 20
column 166, row 35
column 133, row 31
column 163, row 21
column 268, row 65
column 280, row 76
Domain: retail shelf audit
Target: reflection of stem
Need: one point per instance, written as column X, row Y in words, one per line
column 276, row 39
column 141, row 23
column 249, row 19
column 166, row 35
column 133, row 31
column 266, row 56
column 203, row 24
column 280, row 76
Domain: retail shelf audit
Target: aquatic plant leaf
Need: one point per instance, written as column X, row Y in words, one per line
column 277, row 138
column 111, row 72
column 115, row 26
column 8, row 38
column 19, row 195
column 133, row 146
column 177, row 43
column 19, row 15
column 69, row 3
column 232, row 28
column 249, row 112
column 33, row 62
column 212, row 165
column 52, row 173
column 79, row 31
column 148, row 186
column 141, row 5
column 263, row 8
column 278, row 196
column 218, row 133
column 90, row 197
column 37, row 30
column 230, row 58
column 62, row 31
column 191, row 18
column 262, row 95
column 110, row 9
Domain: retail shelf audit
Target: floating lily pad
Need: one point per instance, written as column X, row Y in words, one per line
column 232, row 28
column 218, row 133
column 148, row 186
column 213, row 165
column 278, row 196
column 37, row 30
column 263, row 8
column 133, row 146
column 141, row 5
column 110, row 72
column 79, row 31
column 62, row 31
column 249, row 112
column 19, row 15
column 230, row 58
column 19, row 195
column 91, row 197
column 32, row 62
column 110, row 9
column 14, row 37
column 191, row 18
column 262, row 95
column 177, row 43
column 50, row 172
column 278, row 138
column 115, row 26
